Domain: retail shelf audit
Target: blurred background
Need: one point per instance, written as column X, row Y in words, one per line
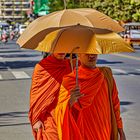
column 15, row 15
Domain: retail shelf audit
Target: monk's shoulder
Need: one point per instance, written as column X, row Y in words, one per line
column 68, row 80
column 105, row 69
column 38, row 67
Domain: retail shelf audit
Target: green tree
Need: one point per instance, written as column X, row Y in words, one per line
column 125, row 10
column 55, row 5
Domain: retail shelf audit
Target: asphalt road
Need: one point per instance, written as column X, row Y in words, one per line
column 16, row 66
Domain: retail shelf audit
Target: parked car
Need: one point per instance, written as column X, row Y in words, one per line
column 132, row 32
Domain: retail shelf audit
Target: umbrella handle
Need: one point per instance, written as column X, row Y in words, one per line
column 76, row 64
column 71, row 63
column 77, row 70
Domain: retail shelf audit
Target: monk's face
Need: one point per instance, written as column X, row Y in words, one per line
column 88, row 60
column 59, row 56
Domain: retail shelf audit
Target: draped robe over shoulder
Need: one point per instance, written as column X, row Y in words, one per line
column 46, row 81
column 91, row 120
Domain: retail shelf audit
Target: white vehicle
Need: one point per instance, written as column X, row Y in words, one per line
column 22, row 28
column 132, row 32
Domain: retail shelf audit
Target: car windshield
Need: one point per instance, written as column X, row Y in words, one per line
column 133, row 26
column 23, row 27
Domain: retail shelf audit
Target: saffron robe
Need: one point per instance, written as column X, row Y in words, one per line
column 46, row 81
column 90, row 117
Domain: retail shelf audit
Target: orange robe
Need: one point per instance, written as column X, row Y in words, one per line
column 91, row 120
column 46, row 81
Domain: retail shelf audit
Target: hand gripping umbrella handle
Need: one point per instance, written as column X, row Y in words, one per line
column 77, row 85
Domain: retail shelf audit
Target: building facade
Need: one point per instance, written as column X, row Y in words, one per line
column 14, row 10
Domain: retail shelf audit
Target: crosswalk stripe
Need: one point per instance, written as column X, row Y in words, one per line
column 24, row 75
column 0, row 77
column 1, row 58
column 119, row 70
column 138, row 69
column 127, row 56
column 20, row 74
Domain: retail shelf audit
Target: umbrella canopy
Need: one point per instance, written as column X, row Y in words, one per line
column 39, row 28
column 81, row 39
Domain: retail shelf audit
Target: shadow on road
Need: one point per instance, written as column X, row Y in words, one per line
column 102, row 61
column 124, row 104
column 21, row 64
column 17, row 64
column 19, row 55
column 14, row 114
column 129, row 73
column 7, row 118
column 14, row 124
column 134, row 73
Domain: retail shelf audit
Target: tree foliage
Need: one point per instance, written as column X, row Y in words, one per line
column 56, row 5
column 125, row 10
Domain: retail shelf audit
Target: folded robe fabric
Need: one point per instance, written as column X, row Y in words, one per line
column 46, row 81
column 92, row 119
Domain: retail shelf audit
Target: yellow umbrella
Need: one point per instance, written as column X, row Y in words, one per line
column 39, row 28
column 81, row 39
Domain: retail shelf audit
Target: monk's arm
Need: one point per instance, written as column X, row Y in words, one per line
column 116, row 105
column 34, row 118
column 34, row 93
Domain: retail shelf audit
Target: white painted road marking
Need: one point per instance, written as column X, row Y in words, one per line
column 0, row 77
column 127, row 56
column 119, row 71
column 20, row 74
column 138, row 69
column 24, row 75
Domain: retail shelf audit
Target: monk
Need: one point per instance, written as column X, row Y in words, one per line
column 85, row 112
column 46, row 81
